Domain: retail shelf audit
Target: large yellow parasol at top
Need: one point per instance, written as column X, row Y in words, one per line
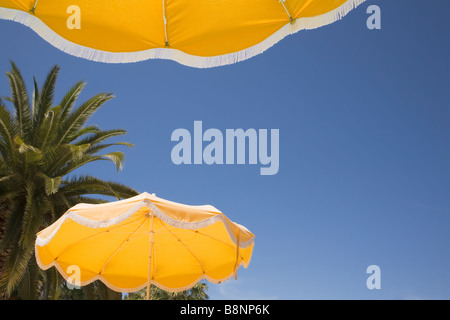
column 133, row 243
column 198, row 33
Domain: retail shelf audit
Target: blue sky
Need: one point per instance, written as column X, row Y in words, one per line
column 364, row 120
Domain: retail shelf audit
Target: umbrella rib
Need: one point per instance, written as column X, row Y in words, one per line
column 222, row 242
column 34, row 7
column 291, row 19
column 190, row 251
column 208, row 236
column 121, row 245
column 92, row 236
column 165, row 24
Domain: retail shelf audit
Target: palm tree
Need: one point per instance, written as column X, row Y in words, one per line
column 41, row 146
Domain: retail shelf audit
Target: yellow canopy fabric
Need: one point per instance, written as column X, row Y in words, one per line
column 197, row 33
column 143, row 240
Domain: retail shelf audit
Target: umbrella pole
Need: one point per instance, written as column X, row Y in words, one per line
column 150, row 254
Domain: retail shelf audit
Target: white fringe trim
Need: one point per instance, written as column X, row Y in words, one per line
column 156, row 212
column 64, row 45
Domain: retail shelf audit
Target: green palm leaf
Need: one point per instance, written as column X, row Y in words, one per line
column 7, row 132
column 19, row 98
column 44, row 100
column 70, row 98
column 76, row 120
column 15, row 267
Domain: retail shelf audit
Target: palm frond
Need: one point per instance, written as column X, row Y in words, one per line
column 76, row 120
column 34, row 96
column 29, row 287
column 89, row 200
column 96, row 148
column 13, row 226
column 88, row 130
column 8, row 131
column 35, row 208
column 117, row 158
column 51, row 184
column 20, row 100
column 33, row 155
column 17, row 262
column 58, row 157
column 83, row 185
column 101, row 136
column 75, row 163
column 46, row 133
column 69, row 99
column 52, row 284
column 44, row 100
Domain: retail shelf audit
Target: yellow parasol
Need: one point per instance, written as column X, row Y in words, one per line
column 198, row 33
column 133, row 243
